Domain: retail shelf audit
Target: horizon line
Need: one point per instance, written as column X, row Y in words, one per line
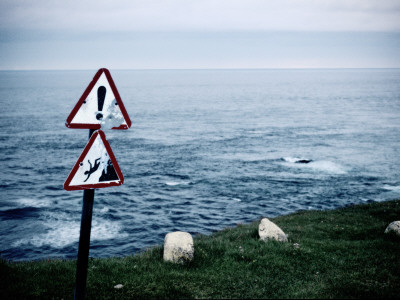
column 204, row 69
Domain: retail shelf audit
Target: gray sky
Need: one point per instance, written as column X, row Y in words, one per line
column 137, row 34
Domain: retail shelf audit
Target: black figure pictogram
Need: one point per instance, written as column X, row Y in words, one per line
column 92, row 168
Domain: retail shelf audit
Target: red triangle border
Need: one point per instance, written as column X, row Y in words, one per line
column 82, row 157
column 84, row 96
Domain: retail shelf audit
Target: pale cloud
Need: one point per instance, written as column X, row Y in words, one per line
column 204, row 15
column 122, row 34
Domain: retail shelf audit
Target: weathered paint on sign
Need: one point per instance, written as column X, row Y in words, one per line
column 96, row 167
column 100, row 106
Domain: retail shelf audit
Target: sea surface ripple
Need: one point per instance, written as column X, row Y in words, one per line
column 207, row 149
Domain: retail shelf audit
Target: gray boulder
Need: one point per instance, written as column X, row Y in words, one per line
column 393, row 228
column 268, row 230
column 178, row 247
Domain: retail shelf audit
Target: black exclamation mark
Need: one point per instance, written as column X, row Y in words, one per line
column 101, row 95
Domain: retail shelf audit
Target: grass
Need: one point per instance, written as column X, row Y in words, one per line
column 341, row 253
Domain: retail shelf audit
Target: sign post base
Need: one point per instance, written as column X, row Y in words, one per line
column 84, row 244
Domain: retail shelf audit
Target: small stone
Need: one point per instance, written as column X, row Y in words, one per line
column 118, row 286
column 269, row 230
column 178, row 247
column 393, row 228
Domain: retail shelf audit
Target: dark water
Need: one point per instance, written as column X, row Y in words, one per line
column 207, row 149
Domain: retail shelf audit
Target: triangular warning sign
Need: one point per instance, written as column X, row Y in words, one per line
column 100, row 106
column 96, row 167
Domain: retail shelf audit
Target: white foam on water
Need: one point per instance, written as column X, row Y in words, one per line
column 324, row 166
column 327, row 166
column 174, row 183
column 393, row 188
column 33, row 202
column 104, row 210
column 57, row 237
column 62, row 231
column 105, row 230
column 292, row 159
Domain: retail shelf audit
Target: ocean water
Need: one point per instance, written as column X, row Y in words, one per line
column 207, row 149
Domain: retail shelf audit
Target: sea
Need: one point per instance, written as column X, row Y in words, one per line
column 207, row 150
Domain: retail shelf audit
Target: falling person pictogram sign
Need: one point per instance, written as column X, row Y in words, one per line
column 96, row 167
column 100, row 106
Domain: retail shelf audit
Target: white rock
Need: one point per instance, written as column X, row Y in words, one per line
column 118, row 286
column 393, row 228
column 178, row 247
column 269, row 230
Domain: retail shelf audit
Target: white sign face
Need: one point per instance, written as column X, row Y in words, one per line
column 96, row 167
column 100, row 106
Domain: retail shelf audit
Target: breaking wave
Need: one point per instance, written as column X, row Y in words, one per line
column 324, row 166
column 62, row 231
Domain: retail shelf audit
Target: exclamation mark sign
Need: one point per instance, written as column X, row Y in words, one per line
column 101, row 95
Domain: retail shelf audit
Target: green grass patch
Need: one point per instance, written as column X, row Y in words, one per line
column 342, row 253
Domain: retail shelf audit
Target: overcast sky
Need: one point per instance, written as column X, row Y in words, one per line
column 159, row 34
